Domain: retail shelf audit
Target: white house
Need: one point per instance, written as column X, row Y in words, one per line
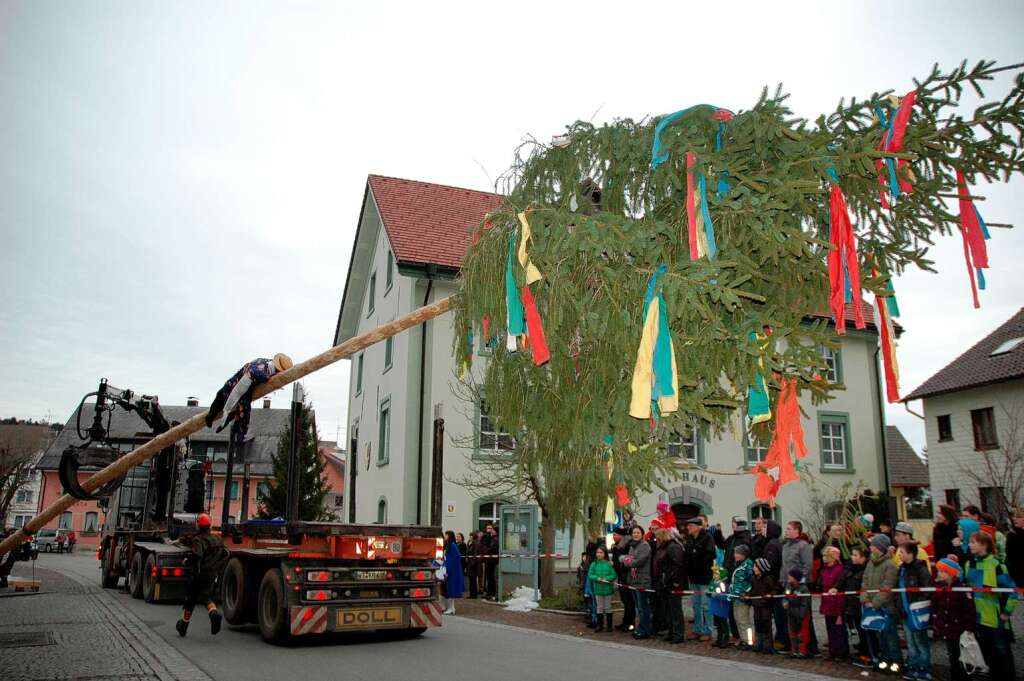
column 974, row 423
column 409, row 246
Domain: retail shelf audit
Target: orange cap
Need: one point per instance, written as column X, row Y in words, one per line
column 203, row 520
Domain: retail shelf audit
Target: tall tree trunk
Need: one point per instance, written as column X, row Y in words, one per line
column 547, row 565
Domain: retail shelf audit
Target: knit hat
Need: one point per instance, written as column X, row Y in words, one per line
column 740, row 522
column 881, row 542
column 950, row 566
column 867, row 520
column 990, row 530
column 662, row 506
column 763, row 565
column 832, row 549
column 969, row 527
column 741, row 548
column 797, row 574
column 618, row 530
column 905, row 527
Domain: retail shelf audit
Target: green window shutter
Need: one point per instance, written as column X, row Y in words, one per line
column 384, row 434
column 389, row 278
column 359, row 373
column 371, row 294
column 388, row 352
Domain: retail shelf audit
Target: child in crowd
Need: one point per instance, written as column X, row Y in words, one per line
column 742, row 611
column 601, row 575
column 954, row 614
column 914, row 573
column 719, row 608
column 831, row 577
column 880, row 576
column 798, row 613
column 853, row 576
column 992, row 626
column 763, row 586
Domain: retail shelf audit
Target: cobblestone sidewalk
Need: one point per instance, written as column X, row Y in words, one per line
column 72, row 631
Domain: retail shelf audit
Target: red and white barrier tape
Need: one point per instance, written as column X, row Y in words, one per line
column 909, row 589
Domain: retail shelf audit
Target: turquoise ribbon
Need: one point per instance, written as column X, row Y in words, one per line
column 658, row 156
column 662, row 362
column 516, row 320
column 757, row 396
column 890, row 301
column 709, row 229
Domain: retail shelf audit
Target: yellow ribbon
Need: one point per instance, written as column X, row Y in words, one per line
column 532, row 273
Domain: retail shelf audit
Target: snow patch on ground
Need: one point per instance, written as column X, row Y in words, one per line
column 524, row 599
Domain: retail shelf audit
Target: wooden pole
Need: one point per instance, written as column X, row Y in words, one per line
column 198, row 422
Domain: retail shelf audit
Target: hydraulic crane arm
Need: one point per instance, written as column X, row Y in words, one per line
column 197, row 422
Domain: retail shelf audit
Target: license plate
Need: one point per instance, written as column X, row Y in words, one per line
column 370, row 575
column 370, row 618
column 369, row 594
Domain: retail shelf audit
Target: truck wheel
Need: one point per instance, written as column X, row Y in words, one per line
column 108, row 568
column 271, row 611
column 148, row 582
column 238, row 593
column 135, row 578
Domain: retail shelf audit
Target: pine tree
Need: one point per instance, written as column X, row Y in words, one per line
column 311, row 468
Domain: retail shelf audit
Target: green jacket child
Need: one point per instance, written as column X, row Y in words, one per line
column 602, row 570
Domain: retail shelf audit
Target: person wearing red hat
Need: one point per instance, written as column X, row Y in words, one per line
column 205, row 561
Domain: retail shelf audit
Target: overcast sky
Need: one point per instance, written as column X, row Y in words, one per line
column 180, row 182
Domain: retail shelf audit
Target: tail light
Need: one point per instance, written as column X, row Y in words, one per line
column 178, row 572
column 318, row 576
column 318, row 595
column 99, row 553
column 422, row 575
column 420, row 593
column 164, row 572
column 439, row 549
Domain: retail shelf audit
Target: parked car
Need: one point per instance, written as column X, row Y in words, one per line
column 45, row 540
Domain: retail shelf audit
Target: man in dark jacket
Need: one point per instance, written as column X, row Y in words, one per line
column 758, row 539
column 700, row 556
column 772, row 552
column 740, row 537
column 1015, row 548
column 669, row 579
column 205, row 562
column 489, row 546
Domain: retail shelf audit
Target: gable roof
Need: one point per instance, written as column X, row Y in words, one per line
column 905, row 467
column 265, row 428
column 977, row 367
column 429, row 224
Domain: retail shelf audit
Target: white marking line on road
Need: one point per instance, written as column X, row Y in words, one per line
column 689, row 657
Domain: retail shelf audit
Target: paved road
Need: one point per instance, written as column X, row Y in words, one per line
column 462, row 649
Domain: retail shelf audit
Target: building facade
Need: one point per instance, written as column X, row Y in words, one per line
column 87, row 518
column 33, row 439
column 409, row 245
column 974, row 423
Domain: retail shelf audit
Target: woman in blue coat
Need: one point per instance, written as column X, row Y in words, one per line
column 454, row 584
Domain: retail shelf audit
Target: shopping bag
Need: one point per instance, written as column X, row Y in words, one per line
column 918, row 615
column 970, row 654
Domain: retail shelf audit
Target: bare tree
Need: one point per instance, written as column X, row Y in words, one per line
column 1002, row 467
column 19, row 445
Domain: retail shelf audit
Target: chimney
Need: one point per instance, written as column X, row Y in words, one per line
column 192, row 402
column 266, row 403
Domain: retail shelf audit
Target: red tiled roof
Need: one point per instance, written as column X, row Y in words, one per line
column 977, row 366
column 429, row 223
column 866, row 308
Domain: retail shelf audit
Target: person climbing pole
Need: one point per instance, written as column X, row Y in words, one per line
column 235, row 396
column 205, row 563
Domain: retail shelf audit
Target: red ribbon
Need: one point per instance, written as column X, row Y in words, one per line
column 844, row 251
column 975, row 250
column 894, row 143
column 691, row 204
column 535, row 330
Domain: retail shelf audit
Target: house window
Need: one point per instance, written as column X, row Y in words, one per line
column 993, row 501
column 488, row 514
column 217, row 453
column 20, row 520
column 983, row 422
column 389, row 278
column 359, row 374
column 945, row 427
column 234, row 490
column 65, row 521
column 755, row 453
column 833, row 511
column 953, row 498
column 833, row 364
column 24, row 496
column 339, row 500
column 92, row 522
column 372, row 294
column 389, row 346
column 492, row 438
column 686, row 445
column 384, row 434
column 755, row 511
column 262, row 490
column 382, row 511
column 834, row 430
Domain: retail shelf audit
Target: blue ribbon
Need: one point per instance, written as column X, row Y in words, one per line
column 709, row 229
column 516, row 320
column 662, row 363
column 658, row 156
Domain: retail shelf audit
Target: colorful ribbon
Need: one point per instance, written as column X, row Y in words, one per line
column 974, row 232
column 532, row 273
column 895, row 129
column 843, row 263
column 655, row 376
column 758, row 409
column 887, row 342
column 788, row 440
column 659, row 156
column 516, row 324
